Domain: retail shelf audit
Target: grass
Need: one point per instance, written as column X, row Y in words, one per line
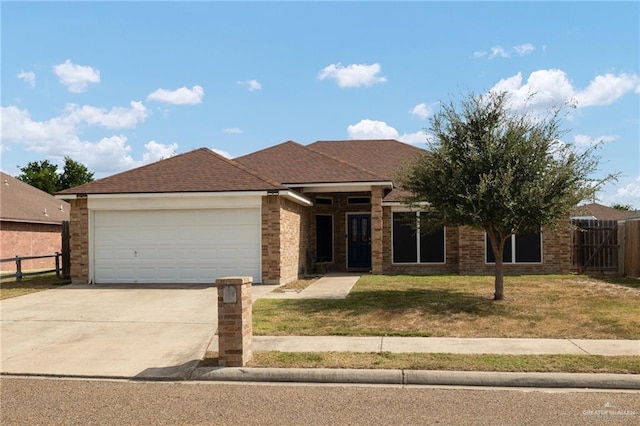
column 449, row 362
column 32, row 284
column 558, row 306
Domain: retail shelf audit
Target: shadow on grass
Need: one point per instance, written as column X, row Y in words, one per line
column 622, row 281
column 423, row 301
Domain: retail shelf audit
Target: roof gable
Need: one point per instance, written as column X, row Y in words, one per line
column 292, row 163
column 201, row 170
column 21, row 202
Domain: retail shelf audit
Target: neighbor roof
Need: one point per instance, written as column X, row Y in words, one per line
column 21, row 202
column 600, row 212
column 292, row 163
column 201, row 170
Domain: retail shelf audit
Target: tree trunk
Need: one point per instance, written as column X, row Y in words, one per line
column 497, row 243
column 499, row 280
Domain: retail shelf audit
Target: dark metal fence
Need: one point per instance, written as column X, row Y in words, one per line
column 19, row 274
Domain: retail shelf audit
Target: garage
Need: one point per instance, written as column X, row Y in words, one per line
column 175, row 246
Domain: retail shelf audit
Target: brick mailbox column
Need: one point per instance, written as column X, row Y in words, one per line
column 234, row 321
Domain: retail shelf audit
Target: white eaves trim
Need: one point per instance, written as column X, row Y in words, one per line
column 338, row 186
column 291, row 195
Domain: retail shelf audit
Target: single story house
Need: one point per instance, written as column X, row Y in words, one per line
column 596, row 211
column 276, row 214
column 30, row 223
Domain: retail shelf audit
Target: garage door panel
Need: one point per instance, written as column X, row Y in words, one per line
column 176, row 246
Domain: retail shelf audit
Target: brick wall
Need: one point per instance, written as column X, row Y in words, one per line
column 79, row 241
column 556, row 253
column 285, row 240
column 29, row 239
column 465, row 253
column 377, row 250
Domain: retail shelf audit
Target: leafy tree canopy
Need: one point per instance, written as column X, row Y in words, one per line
column 44, row 175
column 623, row 207
column 495, row 169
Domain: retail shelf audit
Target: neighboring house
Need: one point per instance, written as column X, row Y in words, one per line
column 275, row 215
column 599, row 212
column 30, row 223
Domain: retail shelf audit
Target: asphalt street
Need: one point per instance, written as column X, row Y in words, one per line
column 48, row 401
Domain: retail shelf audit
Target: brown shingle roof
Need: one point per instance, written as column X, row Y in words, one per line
column 384, row 157
column 600, row 212
column 201, row 170
column 292, row 163
column 21, row 202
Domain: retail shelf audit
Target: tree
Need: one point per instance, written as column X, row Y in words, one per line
column 44, row 175
column 497, row 170
column 73, row 174
column 622, row 207
column 41, row 174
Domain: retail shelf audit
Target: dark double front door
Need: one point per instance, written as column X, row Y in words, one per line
column 359, row 241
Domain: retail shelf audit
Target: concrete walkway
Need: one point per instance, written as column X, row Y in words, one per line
column 330, row 286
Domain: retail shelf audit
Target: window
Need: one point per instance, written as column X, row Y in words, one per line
column 412, row 246
column 324, row 238
column 324, row 200
column 520, row 248
column 359, row 200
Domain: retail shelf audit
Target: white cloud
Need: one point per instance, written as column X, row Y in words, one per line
column 498, row 51
column 156, row 151
column 251, row 85
column 524, row 49
column 422, row 111
column 479, row 54
column 181, row 96
column 354, row 75
column 59, row 136
column 606, row 89
column 584, row 141
column 116, row 118
column 371, row 129
column 233, row 130
column 28, row 76
column 629, row 193
column 553, row 87
column 415, row 138
column 76, row 77
column 225, row 154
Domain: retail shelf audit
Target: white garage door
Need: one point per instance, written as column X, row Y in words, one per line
column 186, row 246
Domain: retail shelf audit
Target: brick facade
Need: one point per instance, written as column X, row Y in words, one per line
column 79, row 241
column 285, row 240
column 29, row 239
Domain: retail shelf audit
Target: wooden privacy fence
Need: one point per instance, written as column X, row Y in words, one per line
column 595, row 246
column 630, row 247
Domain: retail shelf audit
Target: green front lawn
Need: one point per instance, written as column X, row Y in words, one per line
column 563, row 306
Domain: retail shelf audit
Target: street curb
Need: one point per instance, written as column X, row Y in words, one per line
column 419, row 377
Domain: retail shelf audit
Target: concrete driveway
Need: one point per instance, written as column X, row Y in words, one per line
column 114, row 331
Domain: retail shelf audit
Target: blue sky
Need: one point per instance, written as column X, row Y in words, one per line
column 116, row 85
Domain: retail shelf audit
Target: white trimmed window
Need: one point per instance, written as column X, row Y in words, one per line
column 519, row 248
column 412, row 246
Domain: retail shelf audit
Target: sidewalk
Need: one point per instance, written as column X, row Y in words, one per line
column 443, row 345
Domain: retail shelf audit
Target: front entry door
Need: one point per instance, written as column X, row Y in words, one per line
column 359, row 241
